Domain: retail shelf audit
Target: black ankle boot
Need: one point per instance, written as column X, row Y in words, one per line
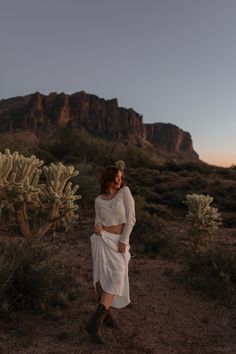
column 95, row 324
column 109, row 320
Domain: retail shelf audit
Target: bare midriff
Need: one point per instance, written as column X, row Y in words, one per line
column 114, row 229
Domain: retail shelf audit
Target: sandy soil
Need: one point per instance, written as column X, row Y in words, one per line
column 164, row 316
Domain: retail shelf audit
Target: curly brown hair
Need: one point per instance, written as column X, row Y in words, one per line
column 108, row 177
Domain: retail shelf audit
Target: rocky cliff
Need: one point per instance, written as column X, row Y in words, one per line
column 41, row 114
column 170, row 138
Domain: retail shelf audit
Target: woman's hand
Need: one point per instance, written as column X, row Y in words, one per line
column 121, row 247
column 98, row 229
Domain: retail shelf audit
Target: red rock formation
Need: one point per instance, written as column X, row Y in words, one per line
column 42, row 114
column 170, row 138
column 46, row 113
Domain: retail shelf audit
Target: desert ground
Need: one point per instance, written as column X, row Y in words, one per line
column 165, row 315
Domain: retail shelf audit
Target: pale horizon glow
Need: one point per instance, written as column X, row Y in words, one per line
column 219, row 159
column 172, row 61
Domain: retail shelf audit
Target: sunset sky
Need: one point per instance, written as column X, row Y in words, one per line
column 172, row 61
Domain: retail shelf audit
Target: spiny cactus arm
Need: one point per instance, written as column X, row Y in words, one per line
column 46, row 174
column 69, row 173
column 70, row 191
column 35, row 180
column 49, row 174
column 25, row 167
column 5, row 166
column 57, row 177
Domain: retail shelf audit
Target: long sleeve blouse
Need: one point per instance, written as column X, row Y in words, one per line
column 118, row 210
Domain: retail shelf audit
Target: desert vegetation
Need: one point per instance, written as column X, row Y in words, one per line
column 31, row 279
column 185, row 218
column 35, row 204
column 35, row 200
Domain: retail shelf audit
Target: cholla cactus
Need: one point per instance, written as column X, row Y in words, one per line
column 203, row 220
column 25, row 199
column 120, row 164
column 59, row 193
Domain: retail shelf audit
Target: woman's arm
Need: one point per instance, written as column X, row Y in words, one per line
column 130, row 216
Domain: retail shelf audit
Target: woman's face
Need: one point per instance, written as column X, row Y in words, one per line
column 118, row 180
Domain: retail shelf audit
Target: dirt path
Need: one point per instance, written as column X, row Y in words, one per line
column 164, row 317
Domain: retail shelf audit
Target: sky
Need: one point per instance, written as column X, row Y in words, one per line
column 172, row 61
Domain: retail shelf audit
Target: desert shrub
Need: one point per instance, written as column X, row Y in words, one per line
column 151, row 197
column 160, row 210
column 214, row 273
column 140, row 205
column 52, row 150
column 146, row 179
column 161, row 188
column 197, row 183
column 163, row 178
column 228, row 173
column 135, row 157
column 173, row 198
column 203, row 221
column 150, row 236
column 88, row 183
column 29, row 279
column 184, row 173
column 79, row 146
column 12, row 143
column 172, row 165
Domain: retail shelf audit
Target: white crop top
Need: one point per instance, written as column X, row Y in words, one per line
column 118, row 210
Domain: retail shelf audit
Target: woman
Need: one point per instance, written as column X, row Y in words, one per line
column 114, row 221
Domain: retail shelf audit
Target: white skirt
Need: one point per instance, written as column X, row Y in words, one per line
column 110, row 267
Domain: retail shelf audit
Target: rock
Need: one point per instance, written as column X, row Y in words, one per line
column 170, row 138
column 43, row 115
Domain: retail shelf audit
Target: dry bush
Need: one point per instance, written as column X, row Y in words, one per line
column 173, row 198
column 214, row 273
column 30, row 280
column 150, row 236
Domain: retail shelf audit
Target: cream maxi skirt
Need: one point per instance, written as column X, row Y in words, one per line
column 110, row 267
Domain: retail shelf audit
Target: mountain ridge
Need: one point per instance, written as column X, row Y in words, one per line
column 43, row 115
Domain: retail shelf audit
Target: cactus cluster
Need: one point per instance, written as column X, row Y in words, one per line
column 59, row 193
column 37, row 201
column 203, row 220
